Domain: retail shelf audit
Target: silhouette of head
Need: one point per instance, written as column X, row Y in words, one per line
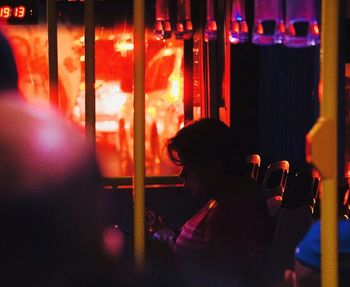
column 207, row 151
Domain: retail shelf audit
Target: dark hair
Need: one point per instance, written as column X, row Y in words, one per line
column 8, row 68
column 206, row 139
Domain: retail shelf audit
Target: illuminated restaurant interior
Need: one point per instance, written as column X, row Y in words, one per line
column 258, row 66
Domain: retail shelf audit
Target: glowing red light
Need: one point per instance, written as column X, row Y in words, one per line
column 308, row 149
column 244, row 27
column 291, row 30
column 314, row 29
column 167, row 26
column 260, row 29
column 180, row 27
column 281, row 28
column 212, row 27
column 235, row 27
column 347, row 170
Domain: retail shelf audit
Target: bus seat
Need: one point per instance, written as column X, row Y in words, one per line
column 274, row 183
column 292, row 225
column 253, row 165
column 303, row 191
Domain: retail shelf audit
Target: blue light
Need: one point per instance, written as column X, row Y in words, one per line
column 239, row 18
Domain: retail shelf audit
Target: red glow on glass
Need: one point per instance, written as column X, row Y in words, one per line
column 114, row 90
column 180, row 27
column 167, row 26
column 158, row 26
column 259, row 29
column 308, row 148
column 292, row 30
column 281, row 28
column 235, row 27
column 347, row 170
column 244, row 27
column 212, row 27
column 189, row 26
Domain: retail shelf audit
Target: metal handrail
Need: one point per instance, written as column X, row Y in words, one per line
column 139, row 134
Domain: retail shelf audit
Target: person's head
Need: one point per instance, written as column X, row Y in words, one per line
column 51, row 227
column 8, row 68
column 307, row 264
column 208, row 153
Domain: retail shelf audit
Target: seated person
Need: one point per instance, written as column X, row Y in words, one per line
column 228, row 232
column 307, row 265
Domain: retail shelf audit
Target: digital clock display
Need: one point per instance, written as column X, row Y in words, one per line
column 19, row 11
column 15, row 12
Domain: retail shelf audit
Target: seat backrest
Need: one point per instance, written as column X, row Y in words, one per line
column 303, row 190
column 253, row 165
column 275, row 179
column 292, row 225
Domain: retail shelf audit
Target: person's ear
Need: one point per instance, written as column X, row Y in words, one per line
column 289, row 278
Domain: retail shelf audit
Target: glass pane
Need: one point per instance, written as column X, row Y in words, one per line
column 114, row 82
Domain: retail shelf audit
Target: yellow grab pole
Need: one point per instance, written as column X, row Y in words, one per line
column 139, row 134
column 323, row 138
column 89, row 42
column 51, row 13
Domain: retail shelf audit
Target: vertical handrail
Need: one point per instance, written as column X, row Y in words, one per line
column 323, row 142
column 139, row 134
column 89, row 42
column 329, row 80
column 51, row 13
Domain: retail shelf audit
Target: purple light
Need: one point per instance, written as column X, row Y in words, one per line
column 239, row 28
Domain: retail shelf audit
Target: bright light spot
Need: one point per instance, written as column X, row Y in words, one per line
column 175, row 94
column 76, row 112
column 160, row 127
column 77, row 42
column 106, row 126
column 233, row 40
column 167, row 52
column 82, row 58
column 110, row 99
column 113, row 241
column 50, row 139
column 124, row 44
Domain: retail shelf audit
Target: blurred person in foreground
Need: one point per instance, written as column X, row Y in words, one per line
column 224, row 243
column 52, row 230
column 307, row 265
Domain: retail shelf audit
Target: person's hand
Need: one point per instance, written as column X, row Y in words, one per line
column 154, row 221
column 166, row 235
